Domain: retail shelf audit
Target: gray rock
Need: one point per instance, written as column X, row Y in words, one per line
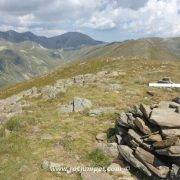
column 51, row 166
column 173, row 151
column 102, row 111
column 49, row 92
column 165, row 117
column 170, row 132
column 165, row 143
column 136, row 111
column 112, row 87
column 145, row 110
column 123, row 120
column 101, row 137
column 95, row 176
column 89, row 78
column 109, row 149
column 177, row 100
column 140, row 124
column 153, row 163
column 119, row 139
column 80, row 104
column 79, row 80
column 127, row 154
column 137, row 138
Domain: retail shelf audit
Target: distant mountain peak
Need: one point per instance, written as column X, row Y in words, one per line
column 66, row 40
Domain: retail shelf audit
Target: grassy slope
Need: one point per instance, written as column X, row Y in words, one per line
column 73, row 139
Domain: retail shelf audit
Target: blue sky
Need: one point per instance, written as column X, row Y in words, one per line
column 107, row 20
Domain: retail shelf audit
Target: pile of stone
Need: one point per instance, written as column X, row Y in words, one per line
column 148, row 138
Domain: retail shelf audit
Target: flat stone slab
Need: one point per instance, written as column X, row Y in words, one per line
column 127, row 154
column 170, row 132
column 165, row 117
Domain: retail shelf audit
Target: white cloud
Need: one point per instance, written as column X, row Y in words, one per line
column 138, row 17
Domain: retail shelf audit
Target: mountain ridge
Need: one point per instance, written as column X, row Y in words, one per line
column 69, row 40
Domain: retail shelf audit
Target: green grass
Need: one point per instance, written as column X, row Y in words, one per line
column 73, row 136
column 98, row 159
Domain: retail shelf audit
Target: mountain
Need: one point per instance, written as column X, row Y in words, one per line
column 147, row 48
column 20, row 61
column 68, row 40
column 41, row 130
column 23, row 61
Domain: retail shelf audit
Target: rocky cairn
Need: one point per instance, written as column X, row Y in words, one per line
column 148, row 138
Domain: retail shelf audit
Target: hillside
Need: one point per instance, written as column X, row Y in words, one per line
column 40, row 126
column 22, row 61
column 147, row 48
column 25, row 60
column 70, row 40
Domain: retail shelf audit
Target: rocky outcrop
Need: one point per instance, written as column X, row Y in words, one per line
column 148, row 138
column 76, row 105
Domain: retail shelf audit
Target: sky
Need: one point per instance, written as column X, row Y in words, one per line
column 107, row 20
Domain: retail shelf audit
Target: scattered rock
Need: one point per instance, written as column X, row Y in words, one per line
column 109, row 149
column 77, row 105
column 101, row 137
column 80, row 104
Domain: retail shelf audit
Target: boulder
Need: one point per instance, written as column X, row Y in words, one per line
column 140, row 124
column 165, row 117
column 110, row 149
column 153, row 163
column 127, row 153
column 101, row 137
column 80, row 104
